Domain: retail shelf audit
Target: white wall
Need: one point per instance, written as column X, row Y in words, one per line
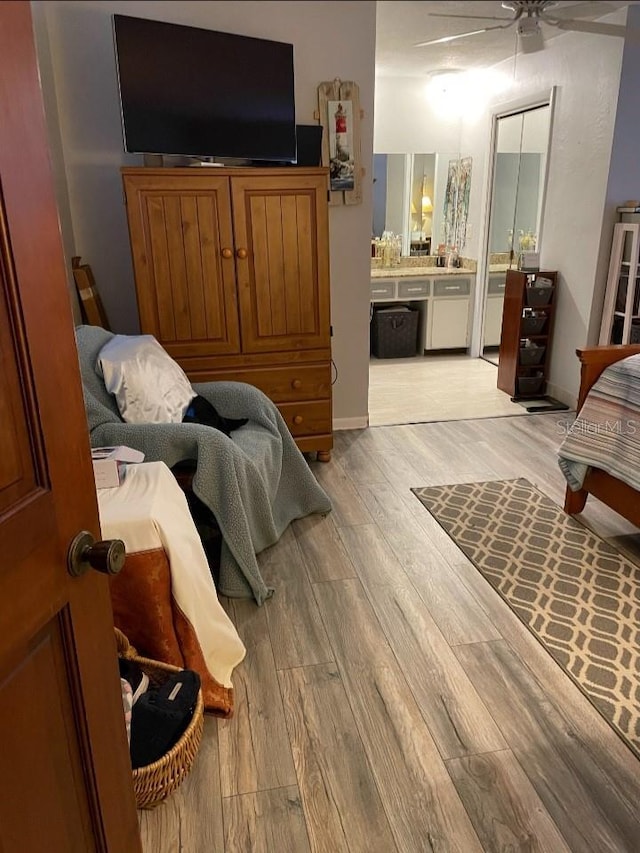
column 83, row 66
column 586, row 71
column 409, row 119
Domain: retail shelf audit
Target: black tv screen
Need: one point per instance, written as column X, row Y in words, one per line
column 185, row 90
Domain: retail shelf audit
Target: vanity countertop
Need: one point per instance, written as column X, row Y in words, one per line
column 402, row 272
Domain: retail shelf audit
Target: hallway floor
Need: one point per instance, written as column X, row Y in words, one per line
column 435, row 388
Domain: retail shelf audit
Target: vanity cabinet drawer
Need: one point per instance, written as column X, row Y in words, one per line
column 383, row 289
column 497, row 284
column 452, row 287
column 413, row 289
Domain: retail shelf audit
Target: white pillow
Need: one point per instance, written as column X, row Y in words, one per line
column 149, row 386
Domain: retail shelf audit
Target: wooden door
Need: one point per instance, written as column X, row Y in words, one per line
column 282, row 261
column 182, row 245
column 65, row 784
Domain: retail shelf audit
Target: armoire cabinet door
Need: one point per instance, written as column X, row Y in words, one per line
column 182, row 244
column 281, row 243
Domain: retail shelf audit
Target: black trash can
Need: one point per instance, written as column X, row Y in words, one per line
column 394, row 331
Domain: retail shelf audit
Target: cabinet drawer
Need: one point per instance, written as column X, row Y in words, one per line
column 497, row 284
column 452, row 287
column 413, row 289
column 307, row 418
column 383, row 289
column 284, row 384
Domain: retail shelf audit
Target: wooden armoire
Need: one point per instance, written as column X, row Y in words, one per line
column 232, row 278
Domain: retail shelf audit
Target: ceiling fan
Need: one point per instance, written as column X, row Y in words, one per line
column 527, row 17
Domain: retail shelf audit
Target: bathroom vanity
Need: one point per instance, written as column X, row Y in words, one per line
column 444, row 298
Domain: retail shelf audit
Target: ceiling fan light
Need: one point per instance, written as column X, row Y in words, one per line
column 528, row 27
column 530, row 35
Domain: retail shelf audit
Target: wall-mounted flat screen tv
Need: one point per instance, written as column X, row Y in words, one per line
column 185, row 90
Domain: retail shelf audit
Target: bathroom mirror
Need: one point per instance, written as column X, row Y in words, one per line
column 403, row 199
column 423, row 198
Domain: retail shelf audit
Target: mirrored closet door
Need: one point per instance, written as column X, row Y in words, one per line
column 519, row 170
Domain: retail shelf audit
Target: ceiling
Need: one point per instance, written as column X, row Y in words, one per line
column 402, row 23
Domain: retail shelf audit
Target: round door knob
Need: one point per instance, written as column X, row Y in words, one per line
column 298, row 419
column 242, row 254
column 227, row 253
column 85, row 553
column 297, row 383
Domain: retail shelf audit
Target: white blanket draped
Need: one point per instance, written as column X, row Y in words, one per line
column 149, row 511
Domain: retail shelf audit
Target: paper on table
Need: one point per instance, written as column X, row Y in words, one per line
column 120, row 453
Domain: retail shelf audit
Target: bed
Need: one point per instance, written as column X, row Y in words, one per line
column 612, row 490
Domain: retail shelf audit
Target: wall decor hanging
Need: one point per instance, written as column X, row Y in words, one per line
column 339, row 114
column 456, row 203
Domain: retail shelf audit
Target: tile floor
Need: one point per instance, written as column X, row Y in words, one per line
column 431, row 388
column 492, row 355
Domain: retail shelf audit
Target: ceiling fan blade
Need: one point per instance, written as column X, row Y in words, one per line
column 477, row 17
column 595, row 27
column 463, row 35
column 592, row 9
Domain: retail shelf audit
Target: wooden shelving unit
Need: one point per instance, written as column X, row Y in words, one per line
column 621, row 312
column 516, row 377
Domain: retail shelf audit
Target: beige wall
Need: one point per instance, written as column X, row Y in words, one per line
column 331, row 39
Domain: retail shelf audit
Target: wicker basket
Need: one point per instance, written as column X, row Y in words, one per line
column 154, row 782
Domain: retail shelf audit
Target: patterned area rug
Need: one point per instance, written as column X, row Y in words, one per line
column 576, row 593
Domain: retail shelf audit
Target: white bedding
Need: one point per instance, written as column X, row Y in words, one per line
column 149, row 511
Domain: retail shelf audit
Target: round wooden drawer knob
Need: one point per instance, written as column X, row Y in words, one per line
column 242, row 254
column 297, row 383
column 227, row 253
column 298, row 419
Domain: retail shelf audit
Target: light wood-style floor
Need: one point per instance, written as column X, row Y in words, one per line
column 435, row 388
column 390, row 702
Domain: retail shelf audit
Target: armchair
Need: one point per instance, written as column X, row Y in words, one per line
column 255, row 483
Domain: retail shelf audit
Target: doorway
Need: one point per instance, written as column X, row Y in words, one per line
column 452, row 375
column 422, row 300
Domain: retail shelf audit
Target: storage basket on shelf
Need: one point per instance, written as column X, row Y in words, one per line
column 154, row 782
column 531, row 353
column 530, row 385
column 532, row 325
column 538, row 293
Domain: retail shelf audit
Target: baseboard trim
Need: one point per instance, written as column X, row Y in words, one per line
column 561, row 394
column 361, row 422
